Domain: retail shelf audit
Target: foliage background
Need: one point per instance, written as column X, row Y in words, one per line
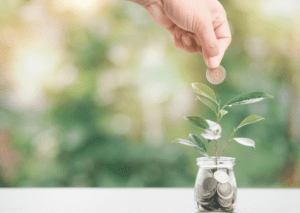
column 92, row 93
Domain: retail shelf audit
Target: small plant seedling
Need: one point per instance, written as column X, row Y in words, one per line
column 213, row 129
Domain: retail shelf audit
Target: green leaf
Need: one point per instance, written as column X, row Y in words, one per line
column 223, row 112
column 197, row 121
column 184, row 142
column 250, row 120
column 201, row 151
column 245, row 141
column 204, row 90
column 207, row 103
column 248, row 98
column 197, row 141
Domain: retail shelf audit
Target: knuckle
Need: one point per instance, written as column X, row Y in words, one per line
column 178, row 45
column 199, row 23
column 191, row 51
column 219, row 8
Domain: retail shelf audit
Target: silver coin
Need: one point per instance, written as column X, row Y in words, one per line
column 225, row 170
column 208, row 173
column 216, row 76
column 221, row 176
column 228, row 197
column 207, row 196
column 209, row 184
column 225, row 190
column 205, row 202
column 214, row 205
column 234, row 196
column 228, row 208
column 202, row 194
column 225, row 202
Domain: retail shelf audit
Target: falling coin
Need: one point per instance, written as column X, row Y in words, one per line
column 221, row 176
column 216, row 76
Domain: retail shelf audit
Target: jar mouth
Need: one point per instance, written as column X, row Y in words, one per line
column 211, row 161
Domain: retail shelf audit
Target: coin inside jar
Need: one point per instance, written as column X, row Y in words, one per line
column 216, row 75
column 225, row 202
column 209, row 184
column 221, row 176
column 225, row 190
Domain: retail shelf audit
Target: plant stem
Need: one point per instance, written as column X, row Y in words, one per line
column 216, row 152
column 218, row 113
column 228, row 141
column 217, row 140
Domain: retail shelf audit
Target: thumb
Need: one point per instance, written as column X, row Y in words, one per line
column 210, row 44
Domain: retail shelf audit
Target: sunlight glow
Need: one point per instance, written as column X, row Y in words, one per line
column 80, row 7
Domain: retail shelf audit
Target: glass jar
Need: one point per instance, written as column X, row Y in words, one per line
column 215, row 186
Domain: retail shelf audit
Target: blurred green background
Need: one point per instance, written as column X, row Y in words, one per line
column 93, row 92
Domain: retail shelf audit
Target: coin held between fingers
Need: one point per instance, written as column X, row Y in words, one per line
column 213, row 61
column 216, row 76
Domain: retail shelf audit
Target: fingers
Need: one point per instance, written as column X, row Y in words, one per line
column 189, row 43
column 192, row 43
column 185, row 40
column 215, row 37
column 177, row 37
column 158, row 15
column 210, row 45
column 224, row 38
column 198, row 42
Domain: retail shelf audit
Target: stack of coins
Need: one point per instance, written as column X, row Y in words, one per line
column 216, row 192
column 208, row 192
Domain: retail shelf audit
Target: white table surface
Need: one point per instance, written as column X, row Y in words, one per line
column 138, row 200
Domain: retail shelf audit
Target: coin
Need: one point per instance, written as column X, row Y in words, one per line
column 209, row 184
column 211, row 206
column 202, row 194
column 224, row 170
column 225, row 190
column 221, row 176
column 216, row 76
column 234, row 197
column 208, row 173
column 225, row 202
column 207, row 196
column 205, row 202
column 228, row 208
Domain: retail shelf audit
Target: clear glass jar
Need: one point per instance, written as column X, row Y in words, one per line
column 215, row 186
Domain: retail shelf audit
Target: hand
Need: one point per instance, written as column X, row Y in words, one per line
column 197, row 26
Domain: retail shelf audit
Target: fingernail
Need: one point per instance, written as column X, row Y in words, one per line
column 213, row 62
column 187, row 41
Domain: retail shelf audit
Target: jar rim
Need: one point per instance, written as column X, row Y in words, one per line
column 222, row 161
column 214, row 158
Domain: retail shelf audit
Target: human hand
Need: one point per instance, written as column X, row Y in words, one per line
column 197, row 26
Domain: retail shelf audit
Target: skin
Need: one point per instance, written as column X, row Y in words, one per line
column 197, row 26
